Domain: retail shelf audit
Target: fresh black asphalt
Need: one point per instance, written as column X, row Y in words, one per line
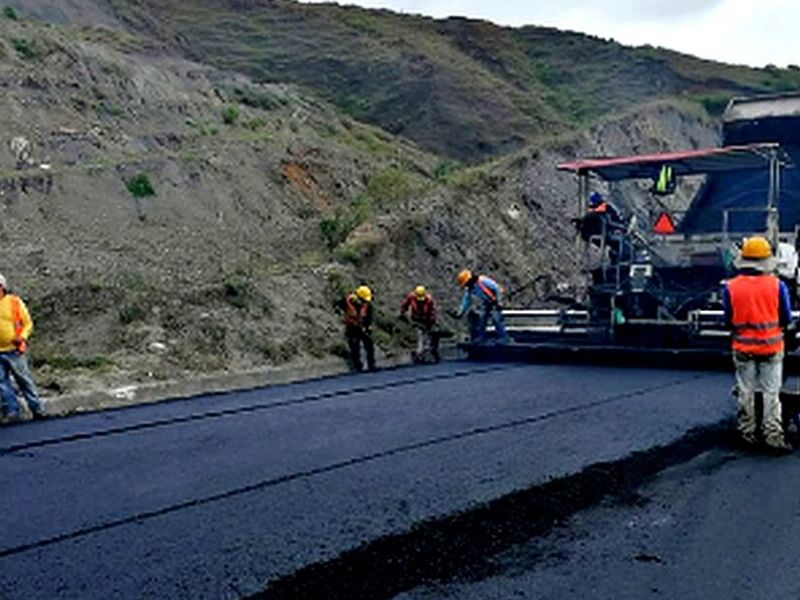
column 219, row 496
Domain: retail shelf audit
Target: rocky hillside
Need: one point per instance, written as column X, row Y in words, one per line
column 163, row 216
column 465, row 89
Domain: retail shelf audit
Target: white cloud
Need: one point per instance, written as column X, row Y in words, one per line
column 735, row 31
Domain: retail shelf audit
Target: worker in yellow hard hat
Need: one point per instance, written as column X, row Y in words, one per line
column 356, row 309
column 489, row 293
column 420, row 308
column 757, row 308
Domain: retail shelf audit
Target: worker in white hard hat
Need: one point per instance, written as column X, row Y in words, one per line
column 757, row 308
column 356, row 309
column 420, row 308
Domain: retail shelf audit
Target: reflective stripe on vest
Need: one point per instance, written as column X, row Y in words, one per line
column 755, row 308
column 16, row 318
column 354, row 315
column 486, row 289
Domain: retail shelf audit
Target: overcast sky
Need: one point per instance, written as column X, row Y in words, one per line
column 752, row 32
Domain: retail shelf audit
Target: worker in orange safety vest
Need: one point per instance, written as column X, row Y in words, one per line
column 421, row 308
column 757, row 308
column 356, row 309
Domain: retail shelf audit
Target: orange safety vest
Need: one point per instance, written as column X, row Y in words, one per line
column 16, row 318
column 755, row 310
column 354, row 314
column 600, row 208
column 486, row 289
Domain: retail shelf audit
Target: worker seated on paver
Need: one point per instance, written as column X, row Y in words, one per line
column 757, row 308
column 420, row 308
column 603, row 224
column 489, row 293
column 356, row 309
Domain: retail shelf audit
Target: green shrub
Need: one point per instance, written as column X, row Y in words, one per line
column 140, row 186
column 27, row 49
column 230, row 114
column 444, row 170
column 257, row 98
column 132, row 312
column 257, row 123
column 336, row 229
column 237, row 289
column 10, row 13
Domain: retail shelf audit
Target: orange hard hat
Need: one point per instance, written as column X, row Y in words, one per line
column 756, row 248
column 463, row 277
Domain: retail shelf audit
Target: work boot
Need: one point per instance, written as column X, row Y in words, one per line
column 778, row 445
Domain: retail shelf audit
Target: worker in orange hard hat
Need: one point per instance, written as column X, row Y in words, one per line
column 757, row 307
column 420, row 308
column 357, row 315
column 489, row 293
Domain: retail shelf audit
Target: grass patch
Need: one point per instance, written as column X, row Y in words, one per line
column 714, row 104
column 69, row 362
column 255, row 97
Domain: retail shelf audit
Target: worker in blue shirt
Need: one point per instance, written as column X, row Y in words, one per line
column 489, row 292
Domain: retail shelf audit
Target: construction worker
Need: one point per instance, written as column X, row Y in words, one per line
column 600, row 206
column 757, row 307
column 489, row 292
column 15, row 329
column 419, row 307
column 356, row 311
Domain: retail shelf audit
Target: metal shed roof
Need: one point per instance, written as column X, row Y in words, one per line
column 689, row 162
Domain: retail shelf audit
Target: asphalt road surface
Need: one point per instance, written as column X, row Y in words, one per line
column 723, row 526
column 362, row 486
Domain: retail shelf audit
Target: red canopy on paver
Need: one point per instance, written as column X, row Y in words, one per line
column 690, row 162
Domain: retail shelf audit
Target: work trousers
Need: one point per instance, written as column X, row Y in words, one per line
column 755, row 372
column 427, row 341
column 490, row 311
column 356, row 337
column 15, row 364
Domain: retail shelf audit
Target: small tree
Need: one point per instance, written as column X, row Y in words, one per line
column 10, row 13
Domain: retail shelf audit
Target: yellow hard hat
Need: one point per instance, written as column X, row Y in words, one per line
column 756, row 248
column 463, row 277
column 364, row 293
column 420, row 291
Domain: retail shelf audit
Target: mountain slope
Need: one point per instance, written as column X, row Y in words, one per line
column 460, row 88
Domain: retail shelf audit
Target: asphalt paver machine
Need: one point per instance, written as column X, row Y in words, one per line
column 653, row 280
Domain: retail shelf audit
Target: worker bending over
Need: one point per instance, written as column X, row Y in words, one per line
column 356, row 309
column 757, row 307
column 419, row 307
column 488, row 292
